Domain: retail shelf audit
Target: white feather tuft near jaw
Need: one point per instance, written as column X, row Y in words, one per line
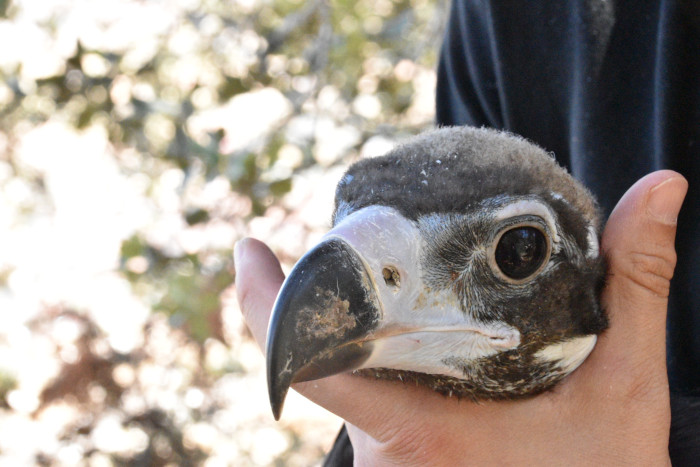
column 569, row 354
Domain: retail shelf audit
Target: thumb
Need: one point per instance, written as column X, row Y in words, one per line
column 638, row 242
column 258, row 279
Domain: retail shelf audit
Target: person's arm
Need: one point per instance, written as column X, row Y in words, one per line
column 614, row 409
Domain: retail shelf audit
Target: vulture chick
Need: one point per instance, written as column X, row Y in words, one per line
column 465, row 260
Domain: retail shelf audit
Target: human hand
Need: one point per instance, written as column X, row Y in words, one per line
column 614, row 409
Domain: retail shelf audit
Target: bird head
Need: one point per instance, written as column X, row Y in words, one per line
column 465, row 260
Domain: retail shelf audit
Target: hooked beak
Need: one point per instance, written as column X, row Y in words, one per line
column 326, row 308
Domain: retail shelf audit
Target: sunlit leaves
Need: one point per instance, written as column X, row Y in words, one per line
column 217, row 119
column 186, row 288
column 7, row 383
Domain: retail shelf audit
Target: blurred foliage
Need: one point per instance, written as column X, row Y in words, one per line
column 256, row 92
column 7, row 383
column 4, row 5
column 311, row 52
column 188, row 288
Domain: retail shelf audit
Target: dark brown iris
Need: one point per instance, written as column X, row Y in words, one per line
column 520, row 252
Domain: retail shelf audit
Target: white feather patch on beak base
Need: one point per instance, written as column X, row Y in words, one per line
column 419, row 327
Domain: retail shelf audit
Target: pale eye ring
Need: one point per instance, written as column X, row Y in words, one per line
column 520, row 251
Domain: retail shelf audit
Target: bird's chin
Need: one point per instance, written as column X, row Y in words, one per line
column 510, row 374
column 474, row 388
column 450, row 386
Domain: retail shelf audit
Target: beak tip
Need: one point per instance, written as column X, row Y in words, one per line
column 277, row 391
column 277, row 402
column 277, row 413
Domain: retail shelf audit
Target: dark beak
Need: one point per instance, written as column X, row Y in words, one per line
column 320, row 321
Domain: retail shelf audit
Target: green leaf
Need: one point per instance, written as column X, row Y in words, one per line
column 281, row 187
column 196, row 216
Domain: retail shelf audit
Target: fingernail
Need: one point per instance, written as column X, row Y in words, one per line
column 666, row 198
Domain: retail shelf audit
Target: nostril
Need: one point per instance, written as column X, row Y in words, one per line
column 392, row 278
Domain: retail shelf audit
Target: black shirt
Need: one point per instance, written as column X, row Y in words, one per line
column 613, row 89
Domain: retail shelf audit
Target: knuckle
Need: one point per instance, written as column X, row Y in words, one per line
column 643, row 385
column 652, row 271
column 642, row 390
column 401, row 447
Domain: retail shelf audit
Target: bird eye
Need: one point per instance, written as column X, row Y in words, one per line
column 521, row 251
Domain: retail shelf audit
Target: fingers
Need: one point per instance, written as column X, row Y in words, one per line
column 258, row 279
column 638, row 242
column 639, row 237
